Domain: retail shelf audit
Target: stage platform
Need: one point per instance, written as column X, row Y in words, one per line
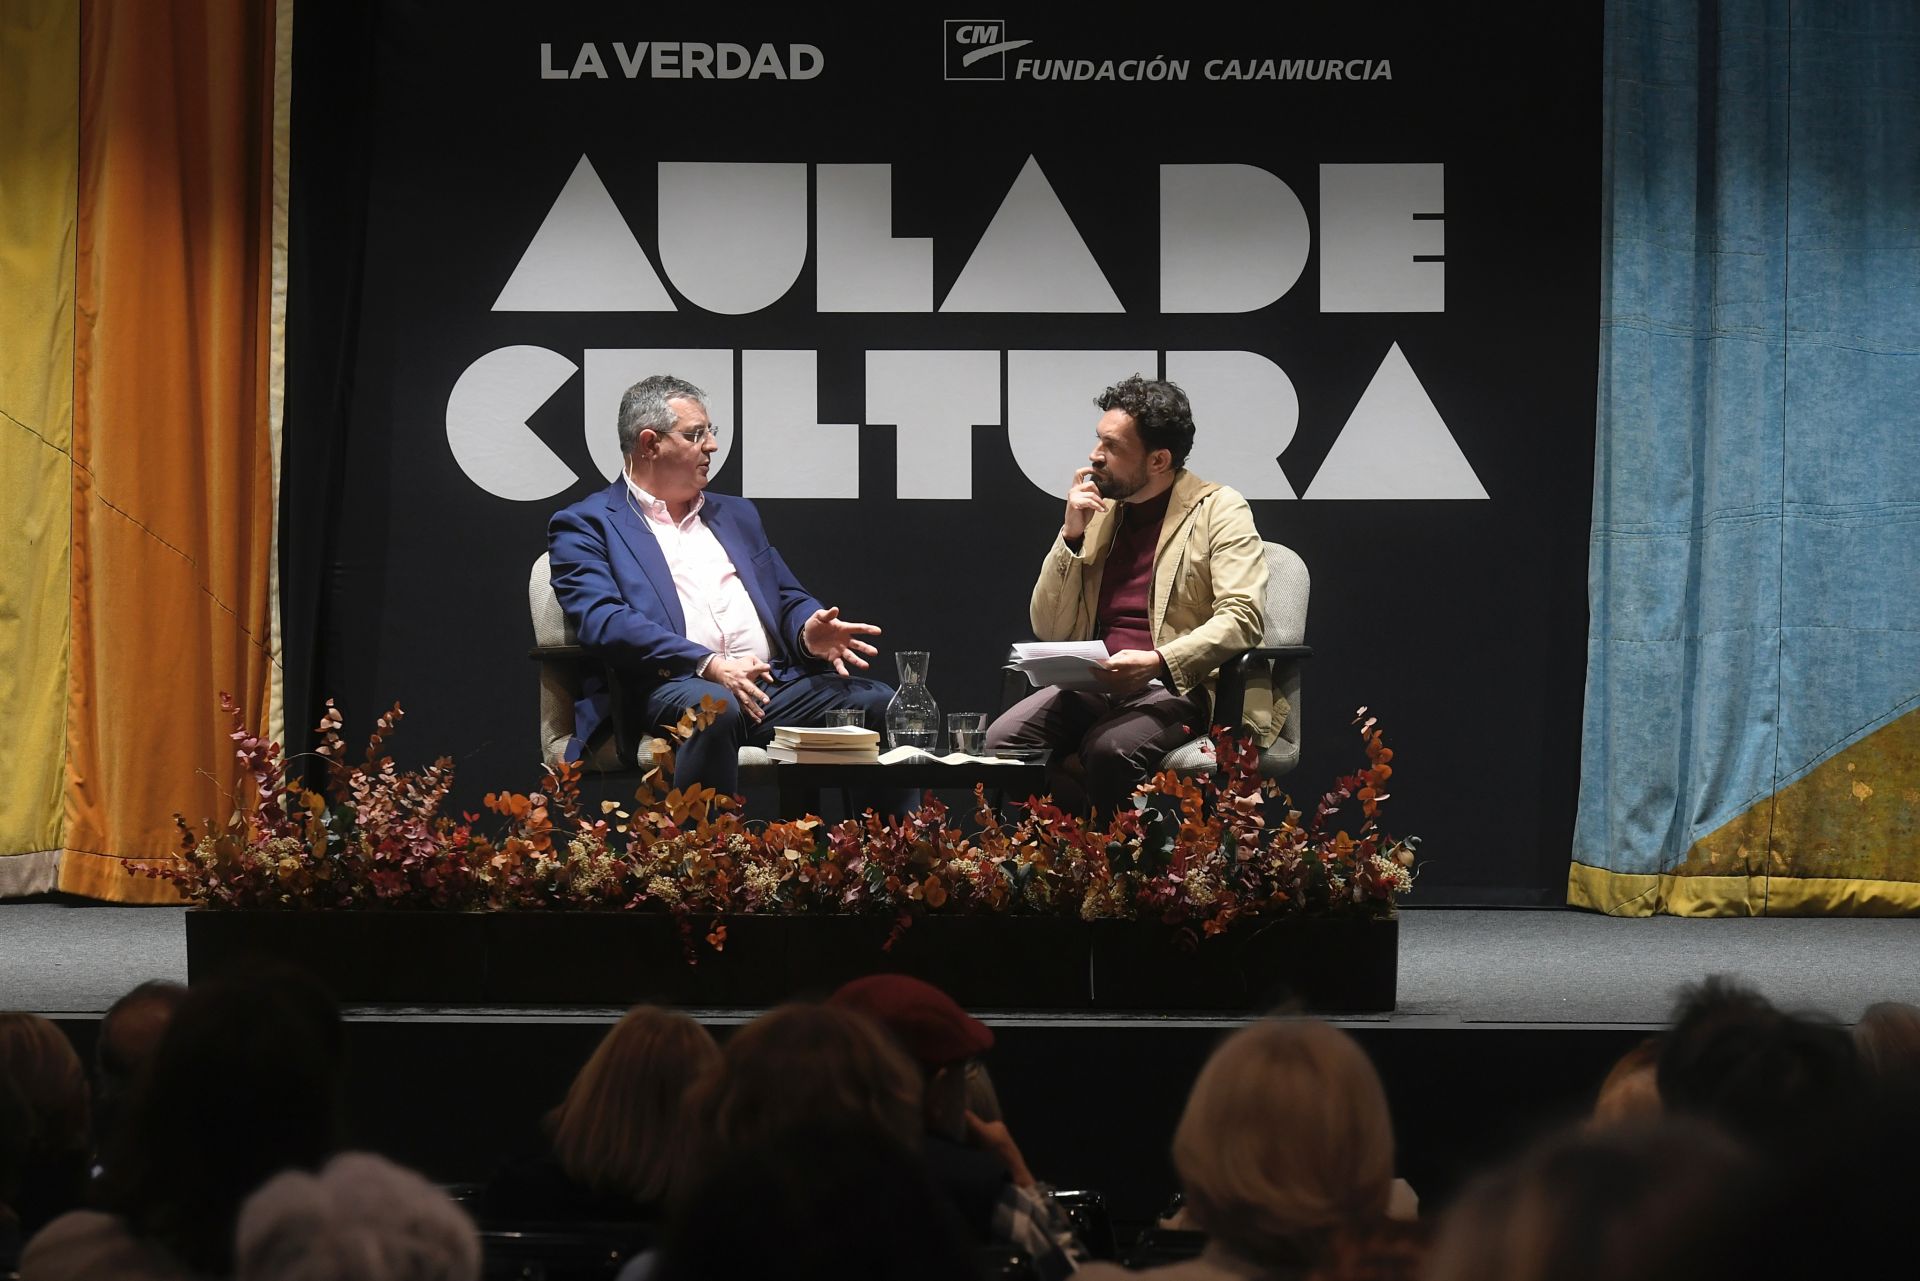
column 1507, row 1021
column 1458, row 966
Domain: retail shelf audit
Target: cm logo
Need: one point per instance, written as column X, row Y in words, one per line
column 976, row 49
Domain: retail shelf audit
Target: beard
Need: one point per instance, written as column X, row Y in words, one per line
column 1114, row 487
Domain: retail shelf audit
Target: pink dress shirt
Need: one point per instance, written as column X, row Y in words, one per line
column 719, row 613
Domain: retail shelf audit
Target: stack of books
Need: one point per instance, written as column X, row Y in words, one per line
column 831, row 745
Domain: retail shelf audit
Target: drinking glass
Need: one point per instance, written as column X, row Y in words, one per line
column 854, row 716
column 967, row 732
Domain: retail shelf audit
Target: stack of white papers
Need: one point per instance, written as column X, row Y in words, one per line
column 1067, row 664
column 824, row 745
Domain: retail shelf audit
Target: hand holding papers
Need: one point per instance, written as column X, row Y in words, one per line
column 1067, row 664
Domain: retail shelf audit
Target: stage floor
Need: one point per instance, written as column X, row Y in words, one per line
column 1458, row 967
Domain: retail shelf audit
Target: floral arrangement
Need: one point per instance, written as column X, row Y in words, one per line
column 1199, row 853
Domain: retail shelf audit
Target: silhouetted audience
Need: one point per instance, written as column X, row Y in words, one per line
column 627, row 1131
column 362, row 1218
column 129, row 1037
column 857, row 1138
column 1669, row 1201
column 1285, row 1145
column 50, row 1080
column 813, row 1065
column 1887, row 1038
column 16, row 1127
column 828, row 1201
column 974, row 1160
column 1631, row 1091
column 244, row 1085
column 1771, row 1079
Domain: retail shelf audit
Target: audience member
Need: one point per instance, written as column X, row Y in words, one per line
column 818, row 1202
column 1631, row 1091
column 1768, row 1078
column 1284, row 1145
column 244, row 1085
column 1887, row 1038
column 129, row 1037
column 16, row 1125
column 50, row 1079
column 625, row 1133
column 816, row 1065
column 1666, row 1201
column 973, row 1160
column 362, row 1218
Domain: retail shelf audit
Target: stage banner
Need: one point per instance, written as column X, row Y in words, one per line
column 903, row 252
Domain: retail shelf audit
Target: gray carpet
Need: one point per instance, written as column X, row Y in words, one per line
column 1456, row 966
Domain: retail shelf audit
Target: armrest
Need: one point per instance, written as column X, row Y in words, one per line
column 1230, row 695
column 616, row 691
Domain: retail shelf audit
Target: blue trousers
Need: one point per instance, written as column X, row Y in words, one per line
column 712, row 756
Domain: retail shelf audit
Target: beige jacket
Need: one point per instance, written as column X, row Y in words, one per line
column 1208, row 597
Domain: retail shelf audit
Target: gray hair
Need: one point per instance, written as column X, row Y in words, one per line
column 362, row 1218
column 645, row 408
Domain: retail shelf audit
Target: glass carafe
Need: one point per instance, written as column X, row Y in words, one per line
column 913, row 718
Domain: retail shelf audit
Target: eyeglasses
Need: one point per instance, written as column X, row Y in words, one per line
column 698, row 436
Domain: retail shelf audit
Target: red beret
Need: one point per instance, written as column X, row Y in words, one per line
column 925, row 1020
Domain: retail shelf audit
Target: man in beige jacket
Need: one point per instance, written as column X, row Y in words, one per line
column 1169, row 571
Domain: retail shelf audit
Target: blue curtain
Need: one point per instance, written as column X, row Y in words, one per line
column 1755, row 558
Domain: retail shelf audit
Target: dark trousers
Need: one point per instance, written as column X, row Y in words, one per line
column 1120, row 741
column 712, row 756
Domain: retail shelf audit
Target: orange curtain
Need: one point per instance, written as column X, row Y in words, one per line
column 172, row 458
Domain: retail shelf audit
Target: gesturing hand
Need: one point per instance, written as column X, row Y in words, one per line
column 742, row 675
column 833, row 639
column 1128, row 671
column 1083, row 500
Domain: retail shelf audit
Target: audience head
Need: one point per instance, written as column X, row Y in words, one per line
column 1887, row 1038
column 1631, row 1091
column 813, row 1065
column 1285, row 1140
column 16, row 1130
column 626, row 1127
column 1665, row 1201
column 244, row 1085
column 362, row 1218
column 49, row 1080
column 818, row 1202
column 1765, row 1076
column 936, row 1033
column 129, row 1037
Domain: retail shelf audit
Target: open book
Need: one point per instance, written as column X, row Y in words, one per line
column 1067, row 664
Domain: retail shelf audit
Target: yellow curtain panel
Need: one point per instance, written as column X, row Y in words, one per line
column 154, row 590
column 39, row 162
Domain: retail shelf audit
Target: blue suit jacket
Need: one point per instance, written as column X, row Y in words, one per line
column 613, row 582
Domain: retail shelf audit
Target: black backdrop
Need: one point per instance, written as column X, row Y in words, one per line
column 428, row 148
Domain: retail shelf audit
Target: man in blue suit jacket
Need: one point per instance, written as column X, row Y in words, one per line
column 680, row 590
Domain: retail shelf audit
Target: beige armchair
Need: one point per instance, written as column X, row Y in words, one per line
column 562, row 659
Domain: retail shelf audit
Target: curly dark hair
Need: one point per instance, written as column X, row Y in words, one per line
column 1159, row 411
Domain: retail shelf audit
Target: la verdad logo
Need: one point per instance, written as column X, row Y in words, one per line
column 1381, row 250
